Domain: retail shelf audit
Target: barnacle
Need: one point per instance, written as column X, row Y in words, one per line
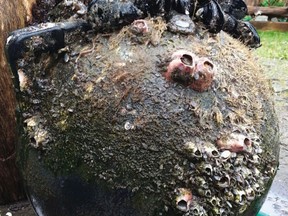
column 201, row 182
column 181, row 67
column 193, row 149
column 23, row 80
column 240, row 196
column 203, row 75
column 206, row 168
column 229, row 167
column 225, row 154
column 240, row 160
column 211, row 150
column 235, row 142
column 140, row 26
column 256, row 172
column 183, row 199
column 204, row 192
column 224, row 181
column 196, row 210
column 186, row 68
column 229, row 196
column 255, row 159
column 215, row 201
column 258, row 188
column 250, row 194
column 224, row 211
column 38, row 135
column 242, row 208
column 245, row 171
column 216, row 210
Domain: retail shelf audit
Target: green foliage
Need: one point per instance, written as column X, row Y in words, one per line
column 268, row 3
column 274, row 45
column 247, row 18
column 283, row 19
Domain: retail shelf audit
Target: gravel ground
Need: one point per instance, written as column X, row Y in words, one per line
column 22, row 208
column 277, row 200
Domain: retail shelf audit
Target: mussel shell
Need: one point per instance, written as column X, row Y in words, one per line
column 235, row 8
column 250, row 35
column 183, row 6
column 212, row 16
column 108, row 16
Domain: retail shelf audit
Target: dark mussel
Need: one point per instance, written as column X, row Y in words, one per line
column 230, row 24
column 183, row 6
column 164, row 7
column 115, row 14
column 216, row 15
column 235, row 8
column 244, row 31
column 248, row 34
column 151, row 7
column 211, row 15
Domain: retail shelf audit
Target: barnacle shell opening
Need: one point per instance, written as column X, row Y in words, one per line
column 140, row 26
column 183, row 199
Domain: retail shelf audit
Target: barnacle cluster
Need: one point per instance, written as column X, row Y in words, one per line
column 226, row 182
column 190, row 70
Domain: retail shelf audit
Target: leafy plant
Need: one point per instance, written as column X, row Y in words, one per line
column 268, row 3
column 283, row 19
column 247, row 18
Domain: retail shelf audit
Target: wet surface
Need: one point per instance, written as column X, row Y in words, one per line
column 277, row 200
column 276, row 203
column 22, row 208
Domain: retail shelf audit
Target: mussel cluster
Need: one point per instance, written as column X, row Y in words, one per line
column 216, row 15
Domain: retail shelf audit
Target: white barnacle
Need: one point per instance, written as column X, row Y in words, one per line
column 23, row 79
column 226, row 154
column 211, row 150
column 128, row 126
column 38, row 134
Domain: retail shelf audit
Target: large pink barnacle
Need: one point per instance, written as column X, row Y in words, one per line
column 236, row 142
column 203, row 75
column 181, row 67
column 186, row 68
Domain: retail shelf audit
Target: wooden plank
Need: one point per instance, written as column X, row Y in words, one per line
column 252, row 2
column 269, row 11
column 13, row 14
column 270, row 26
